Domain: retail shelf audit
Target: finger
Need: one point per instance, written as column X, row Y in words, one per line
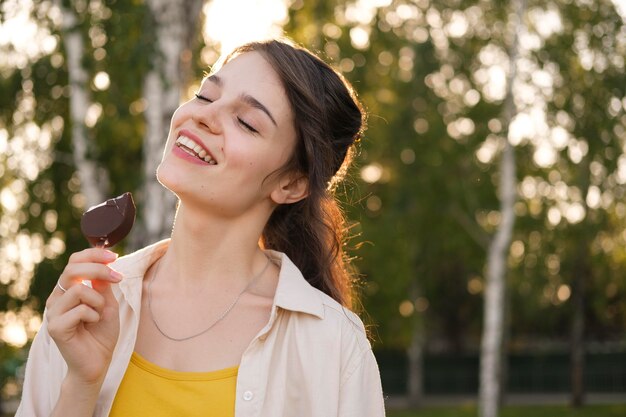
column 75, row 296
column 76, row 272
column 104, row 289
column 75, row 267
column 60, row 287
column 62, row 327
column 81, row 313
column 58, row 290
column 97, row 255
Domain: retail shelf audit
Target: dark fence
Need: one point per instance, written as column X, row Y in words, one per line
column 527, row 374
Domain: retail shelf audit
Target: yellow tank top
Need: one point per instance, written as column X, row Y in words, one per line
column 147, row 390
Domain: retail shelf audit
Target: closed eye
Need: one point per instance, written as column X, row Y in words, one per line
column 246, row 125
column 242, row 122
column 203, row 98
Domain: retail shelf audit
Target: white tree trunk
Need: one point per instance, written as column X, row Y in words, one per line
column 415, row 354
column 93, row 178
column 493, row 320
column 580, row 281
column 176, row 20
column 493, row 316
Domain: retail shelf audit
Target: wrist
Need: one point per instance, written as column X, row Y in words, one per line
column 78, row 397
column 76, row 383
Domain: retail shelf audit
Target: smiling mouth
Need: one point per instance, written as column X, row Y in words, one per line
column 192, row 148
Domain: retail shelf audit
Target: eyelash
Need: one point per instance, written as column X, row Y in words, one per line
column 240, row 120
column 203, row 98
column 247, row 126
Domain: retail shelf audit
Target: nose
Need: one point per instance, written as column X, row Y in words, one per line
column 207, row 118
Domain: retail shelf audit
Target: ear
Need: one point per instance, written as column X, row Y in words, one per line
column 291, row 188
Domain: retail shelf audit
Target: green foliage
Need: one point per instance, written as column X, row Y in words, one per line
column 426, row 221
column 119, row 41
column 430, row 185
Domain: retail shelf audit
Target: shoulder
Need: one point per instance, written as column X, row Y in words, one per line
column 339, row 317
column 315, row 313
column 333, row 340
column 347, row 327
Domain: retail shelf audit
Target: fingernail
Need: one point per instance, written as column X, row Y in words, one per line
column 117, row 277
column 111, row 255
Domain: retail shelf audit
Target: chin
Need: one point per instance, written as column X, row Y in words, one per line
column 177, row 182
column 167, row 176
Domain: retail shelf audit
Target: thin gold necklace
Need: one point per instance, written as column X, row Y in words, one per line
column 219, row 318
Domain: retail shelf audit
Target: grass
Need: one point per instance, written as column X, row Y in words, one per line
column 618, row 410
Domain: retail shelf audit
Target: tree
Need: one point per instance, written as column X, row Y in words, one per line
column 587, row 105
column 425, row 182
column 94, row 179
column 72, row 130
column 491, row 369
column 176, row 31
column 412, row 171
column 71, row 133
column 430, row 75
column 569, row 188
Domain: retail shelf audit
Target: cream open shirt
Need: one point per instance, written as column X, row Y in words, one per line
column 311, row 359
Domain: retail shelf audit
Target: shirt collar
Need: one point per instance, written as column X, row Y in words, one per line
column 133, row 267
column 293, row 291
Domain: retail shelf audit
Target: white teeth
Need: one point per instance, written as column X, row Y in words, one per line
column 192, row 148
column 188, row 151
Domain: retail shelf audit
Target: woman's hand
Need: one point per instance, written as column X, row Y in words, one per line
column 83, row 321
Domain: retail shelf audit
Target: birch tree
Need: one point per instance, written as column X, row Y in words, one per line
column 494, row 306
column 176, row 23
column 421, row 186
column 94, row 179
column 596, row 119
column 415, row 354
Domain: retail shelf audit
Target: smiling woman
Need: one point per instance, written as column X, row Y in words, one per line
column 245, row 310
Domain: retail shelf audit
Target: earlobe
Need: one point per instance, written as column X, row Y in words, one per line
column 290, row 189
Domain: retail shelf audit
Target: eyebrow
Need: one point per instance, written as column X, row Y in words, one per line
column 246, row 98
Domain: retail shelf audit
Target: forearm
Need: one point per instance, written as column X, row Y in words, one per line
column 77, row 399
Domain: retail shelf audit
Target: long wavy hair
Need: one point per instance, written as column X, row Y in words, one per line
column 329, row 120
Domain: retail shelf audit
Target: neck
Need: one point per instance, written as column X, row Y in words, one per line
column 222, row 252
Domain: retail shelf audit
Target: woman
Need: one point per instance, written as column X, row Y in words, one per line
column 243, row 311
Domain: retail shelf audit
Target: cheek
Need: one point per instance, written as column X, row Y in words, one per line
column 253, row 163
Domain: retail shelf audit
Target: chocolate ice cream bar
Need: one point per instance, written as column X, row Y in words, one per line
column 106, row 224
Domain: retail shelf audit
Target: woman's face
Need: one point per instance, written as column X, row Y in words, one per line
column 225, row 142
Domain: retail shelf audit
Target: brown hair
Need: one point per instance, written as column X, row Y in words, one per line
column 328, row 119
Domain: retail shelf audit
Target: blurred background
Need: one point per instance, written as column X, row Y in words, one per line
column 487, row 199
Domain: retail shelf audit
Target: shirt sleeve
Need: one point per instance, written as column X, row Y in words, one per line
column 361, row 392
column 41, row 377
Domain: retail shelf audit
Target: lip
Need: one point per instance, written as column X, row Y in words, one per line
column 196, row 140
column 184, row 155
